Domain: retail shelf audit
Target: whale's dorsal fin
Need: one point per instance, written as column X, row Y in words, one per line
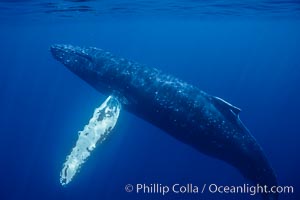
column 225, row 106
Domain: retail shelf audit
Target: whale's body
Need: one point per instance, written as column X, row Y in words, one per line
column 207, row 123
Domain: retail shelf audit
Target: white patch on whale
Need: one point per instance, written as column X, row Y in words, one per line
column 96, row 131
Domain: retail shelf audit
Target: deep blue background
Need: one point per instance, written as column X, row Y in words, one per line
column 251, row 62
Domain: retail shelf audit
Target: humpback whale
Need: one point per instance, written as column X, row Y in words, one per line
column 207, row 123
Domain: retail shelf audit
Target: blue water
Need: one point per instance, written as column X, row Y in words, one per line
column 246, row 52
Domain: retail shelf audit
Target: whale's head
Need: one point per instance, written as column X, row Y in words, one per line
column 93, row 65
column 75, row 58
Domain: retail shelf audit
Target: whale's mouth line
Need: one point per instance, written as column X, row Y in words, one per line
column 60, row 52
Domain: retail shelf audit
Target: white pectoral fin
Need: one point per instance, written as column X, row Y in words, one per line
column 96, row 131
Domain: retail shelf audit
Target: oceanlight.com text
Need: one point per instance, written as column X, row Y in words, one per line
column 189, row 188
